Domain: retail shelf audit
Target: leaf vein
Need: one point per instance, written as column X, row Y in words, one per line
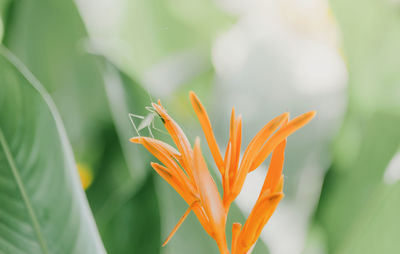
column 21, row 188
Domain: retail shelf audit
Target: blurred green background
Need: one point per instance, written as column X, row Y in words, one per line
column 99, row 60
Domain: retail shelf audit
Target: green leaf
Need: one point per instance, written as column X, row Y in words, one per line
column 350, row 193
column 357, row 211
column 43, row 206
column 126, row 212
column 50, row 39
column 377, row 228
column 125, row 96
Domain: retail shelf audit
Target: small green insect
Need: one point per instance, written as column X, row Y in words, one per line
column 148, row 122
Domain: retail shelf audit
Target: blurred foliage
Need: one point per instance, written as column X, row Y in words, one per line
column 50, row 38
column 357, row 209
column 164, row 45
column 43, row 207
column 156, row 31
column 126, row 212
column 161, row 29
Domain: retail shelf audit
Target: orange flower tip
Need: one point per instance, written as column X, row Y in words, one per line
column 302, row 119
column 181, row 220
column 309, row 115
column 192, row 94
column 305, row 118
column 160, row 111
column 279, row 120
column 193, row 97
column 156, row 106
column 283, row 117
column 135, row 140
column 286, row 115
column 196, row 102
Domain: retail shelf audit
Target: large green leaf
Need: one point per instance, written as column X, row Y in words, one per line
column 348, row 193
column 43, row 207
column 50, row 39
column 377, row 228
column 126, row 212
column 357, row 210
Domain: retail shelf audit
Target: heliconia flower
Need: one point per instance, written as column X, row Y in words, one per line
column 190, row 178
column 186, row 171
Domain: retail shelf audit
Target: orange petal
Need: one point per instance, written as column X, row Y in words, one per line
column 188, row 196
column 167, row 159
column 236, row 227
column 181, row 220
column 209, row 195
column 226, row 160
column 207, row 129
column 236, row 144
column 275, row 168
column 186, row 193
column 225, row 176
column 135, row 140
column 179, row 138
column 231, row 164
column 279, row 136
column 166, row 146
column 202, row 217
column 262, row 211
column 273, row 200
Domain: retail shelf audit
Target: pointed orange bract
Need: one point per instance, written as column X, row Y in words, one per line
column 206, row 125
column 270, row 195
column 181, row 220
column 186, row 171
column 280, row 135
column 210, row 198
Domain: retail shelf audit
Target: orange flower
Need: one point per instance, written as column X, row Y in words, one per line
column 194, row 183
column 186, row 171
